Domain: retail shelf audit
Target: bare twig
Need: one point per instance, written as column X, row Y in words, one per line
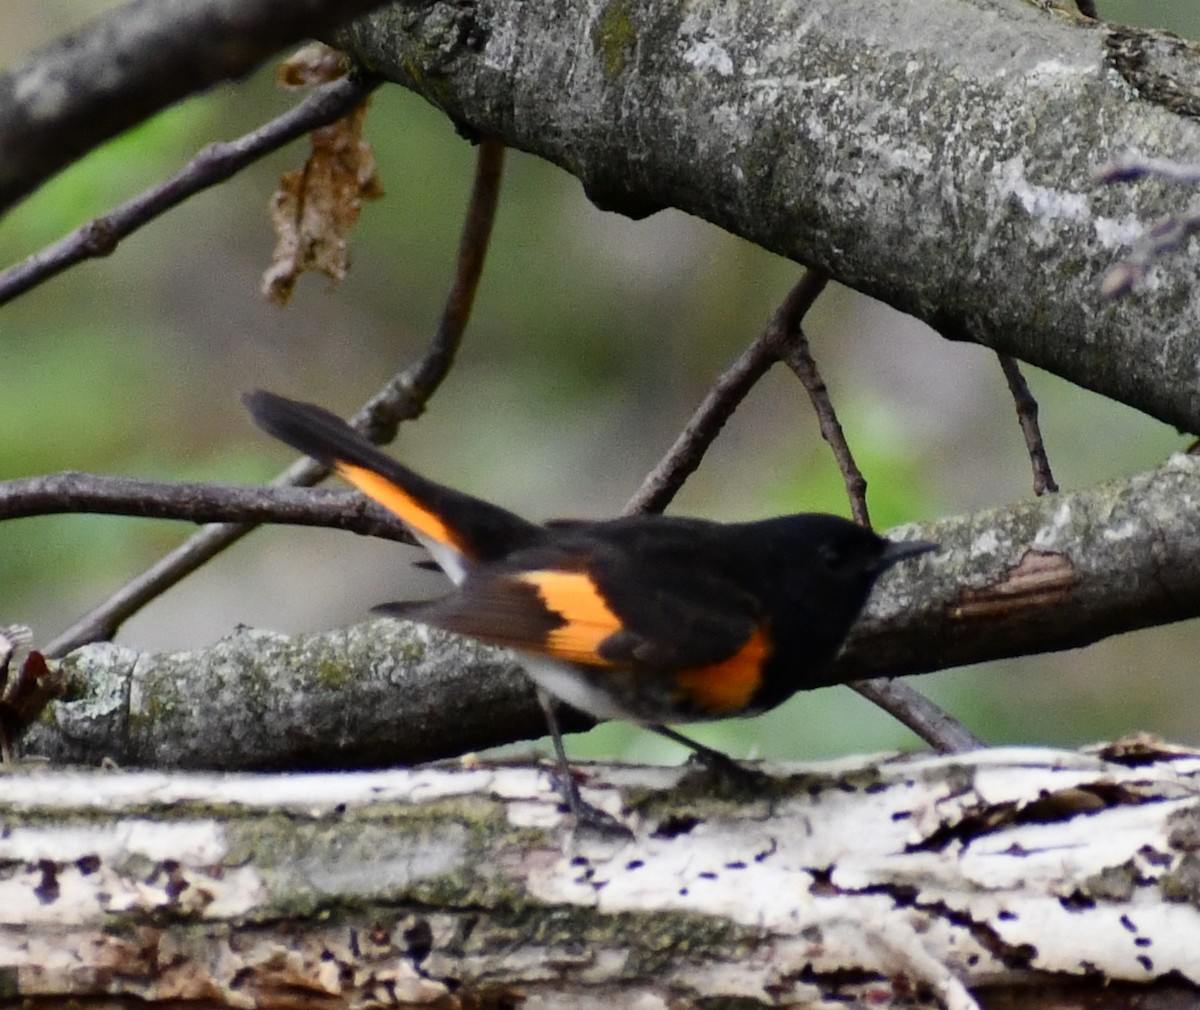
column 782, row 339
column 684, row 456
column 929, row 721
column 212, row 165
column 800, row 360
column 132, row 62
column 907, row 705
column 198, row 503
column 1027, row 415
column 403, row 397
column 102, row 623
column 718, row 405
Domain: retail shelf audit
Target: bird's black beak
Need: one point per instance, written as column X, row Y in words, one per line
column 899, row 550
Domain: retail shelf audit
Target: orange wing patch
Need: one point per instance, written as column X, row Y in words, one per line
column 396, row 499
column 588, row 621
column 729, row 685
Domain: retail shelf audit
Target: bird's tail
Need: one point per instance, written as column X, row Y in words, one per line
column 457, row 529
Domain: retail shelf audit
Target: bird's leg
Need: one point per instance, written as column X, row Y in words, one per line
column 585, row 815
column 715, row 759
column 725, row 770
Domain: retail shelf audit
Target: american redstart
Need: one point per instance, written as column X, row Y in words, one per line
column 648, row 618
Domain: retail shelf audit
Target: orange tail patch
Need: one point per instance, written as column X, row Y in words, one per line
column 394, row 498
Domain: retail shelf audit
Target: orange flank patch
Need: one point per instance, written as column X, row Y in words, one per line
column 729, row 685
column 394, row 498
column 573, row 596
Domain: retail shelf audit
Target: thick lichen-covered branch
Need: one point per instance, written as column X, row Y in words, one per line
column 376, row 694
column 1052, row 573
column 947, row 172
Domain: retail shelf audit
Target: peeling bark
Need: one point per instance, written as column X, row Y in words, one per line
column 902, row 881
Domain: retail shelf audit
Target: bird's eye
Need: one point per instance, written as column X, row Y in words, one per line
column 846, row 554
column 833, row 554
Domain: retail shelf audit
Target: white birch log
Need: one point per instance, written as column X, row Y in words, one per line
column 885, row 880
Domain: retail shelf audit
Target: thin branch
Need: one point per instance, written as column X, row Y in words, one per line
column 214, row 164
column 905, row 704
column 1027, row 416
column 800, row 360
column 67, row 492
column 101, row 624
column 929, row 721
column 685, row 455
column 132, row 62
column 687, row 452
column 402, row 398
column 405, row 396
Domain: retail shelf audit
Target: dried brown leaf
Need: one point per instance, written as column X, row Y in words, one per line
column 316, row 63
column 316, row 205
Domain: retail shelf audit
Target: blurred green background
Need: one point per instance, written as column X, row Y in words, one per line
column 593, row 339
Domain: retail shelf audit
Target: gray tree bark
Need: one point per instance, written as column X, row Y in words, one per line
column 933, row 153
column 1053, row 573
column 936, row 154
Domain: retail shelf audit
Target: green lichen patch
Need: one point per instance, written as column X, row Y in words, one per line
column 614, row 37
column 9, row 989
column 1182, row 883
column 1113, row 883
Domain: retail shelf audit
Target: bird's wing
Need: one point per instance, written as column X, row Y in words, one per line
column 623, row 613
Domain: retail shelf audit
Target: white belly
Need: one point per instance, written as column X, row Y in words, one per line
column 565, row 683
